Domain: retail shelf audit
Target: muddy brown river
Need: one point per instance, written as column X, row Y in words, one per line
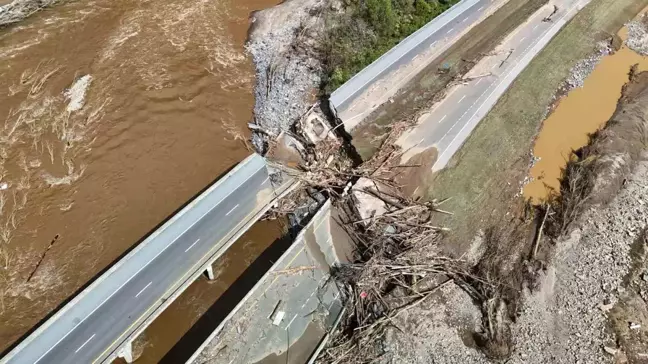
column 113, row 114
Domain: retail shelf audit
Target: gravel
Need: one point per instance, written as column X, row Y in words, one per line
column 566, row 320
column 638, row 36
column 584, row 68
column 287, row 72
column 434, row 331
column 563, row 320
column 18, row 10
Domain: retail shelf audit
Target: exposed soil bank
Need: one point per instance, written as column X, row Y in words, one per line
column 114, row 113
column 582, row 112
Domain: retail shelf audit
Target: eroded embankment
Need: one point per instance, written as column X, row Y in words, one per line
column 599, row 218
column 580, row 113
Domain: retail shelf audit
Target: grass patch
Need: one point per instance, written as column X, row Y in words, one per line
column 484, row 175
column 430, row 83
column 367, row 29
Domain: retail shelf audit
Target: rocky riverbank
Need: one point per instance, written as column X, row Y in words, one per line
column 283, row 44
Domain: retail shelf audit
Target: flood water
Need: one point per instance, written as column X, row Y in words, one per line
column 582, row 112
column 113, row 114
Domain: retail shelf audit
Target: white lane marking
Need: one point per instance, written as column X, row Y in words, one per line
column 192, row 245
column 463, row 21
column 333, row 302
column 84, row 344
column 495, row 85
column 291, row 321
column 142, row 290
column 481, row 8
column 521, row 39
column 461, row 99
column 440, row 120
column 451, row 29
column 136, row 273
column 265, row 180
column 478, row 81
column 535, row 27
column 230, row 211
column 433, row 43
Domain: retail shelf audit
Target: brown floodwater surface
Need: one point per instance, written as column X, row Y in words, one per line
column 582, row 112
column 113, row 114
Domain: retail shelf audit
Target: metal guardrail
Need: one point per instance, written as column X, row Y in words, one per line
column 345, row 96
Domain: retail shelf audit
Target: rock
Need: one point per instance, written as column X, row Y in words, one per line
column 611, row 351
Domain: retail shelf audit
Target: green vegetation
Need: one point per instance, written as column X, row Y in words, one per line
column 485, row 175
column 430, row 83
column 366, row 29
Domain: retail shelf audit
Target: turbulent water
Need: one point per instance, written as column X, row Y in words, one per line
column 113, row 113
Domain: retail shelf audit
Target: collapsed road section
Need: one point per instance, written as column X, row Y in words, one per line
column 288, row 312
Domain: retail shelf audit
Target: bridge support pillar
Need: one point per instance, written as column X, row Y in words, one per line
column 126, row 353
column 210, row 273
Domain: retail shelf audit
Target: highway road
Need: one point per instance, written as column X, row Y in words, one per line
column 378, row 82
column 449, row 123
column 118, row 305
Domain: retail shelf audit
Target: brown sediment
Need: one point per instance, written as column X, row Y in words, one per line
column 581, row 113
column 164, row 115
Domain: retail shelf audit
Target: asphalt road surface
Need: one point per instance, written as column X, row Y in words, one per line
column 365, row 91
column 451, row 121
column 98, row 322
column 293, row 306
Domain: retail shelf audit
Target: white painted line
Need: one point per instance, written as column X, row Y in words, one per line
column 440, row 120
column 84, row 344
column 333, row 302
column 192, row 245
column 521, row 39
column 142, row 290
column 291, row 321
column 433, row 43
column 461, row 99
column 535, row 27
column 496, row 85
column 265, row 180
column 481, row 8
column 451, row 29
column 230, row 211
column 478, row 81
column 463, row 21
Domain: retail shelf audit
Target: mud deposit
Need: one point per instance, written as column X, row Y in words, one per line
column 113, row 114
column 582, row 112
